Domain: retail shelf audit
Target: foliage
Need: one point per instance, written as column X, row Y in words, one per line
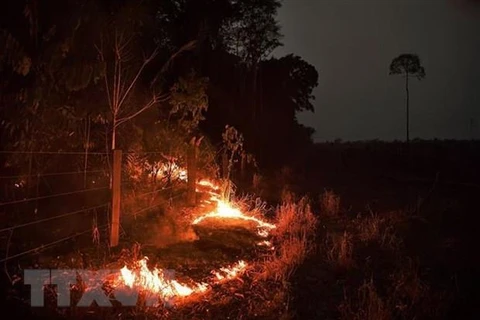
column 408, row 64
column 189, row 100
column 252, row 32
column 174, row 68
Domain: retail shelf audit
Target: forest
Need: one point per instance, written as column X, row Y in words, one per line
column 124, row 74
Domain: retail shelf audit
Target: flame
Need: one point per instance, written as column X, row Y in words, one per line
column 172, row 169
column 265, row 243
column 156, row 281
column 228, row 273
column 225, row 210
column 208, row 183
column 228, row 210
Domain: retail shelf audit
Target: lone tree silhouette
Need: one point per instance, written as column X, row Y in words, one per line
column 408, row 65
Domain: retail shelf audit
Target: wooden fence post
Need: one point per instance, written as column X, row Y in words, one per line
column 116, row 180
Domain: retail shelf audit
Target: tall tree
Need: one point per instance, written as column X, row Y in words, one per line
column 408, row 65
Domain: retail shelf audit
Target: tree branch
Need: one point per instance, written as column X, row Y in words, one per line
column 105, row 76
column 186, row 47
column 155, row 100
column 134, row 80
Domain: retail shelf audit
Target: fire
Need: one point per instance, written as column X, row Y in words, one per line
column 156, row 282
column 266, row 243
column 207, row 183
column 170, row 169
column 231, row 272
column 225, row 210
column 228, row 210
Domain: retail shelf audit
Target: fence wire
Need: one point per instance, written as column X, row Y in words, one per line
column 53, row 218
column 52, row 196
column 48, row 245
column 50, row 174
column 9, row 231
column 53, row 152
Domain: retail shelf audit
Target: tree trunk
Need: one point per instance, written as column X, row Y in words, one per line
column 114, row 134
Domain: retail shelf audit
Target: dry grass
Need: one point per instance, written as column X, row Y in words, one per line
column 380, row 229
column 339, row 250
column 330, row 204
column 405, row 296
column 370, row 227
column 408, row 290
column 293, row 238
column 287, row 195
column 367, row 305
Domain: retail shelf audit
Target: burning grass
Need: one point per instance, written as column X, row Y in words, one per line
column 278, row 248
column 294, row 239
column 238, row 259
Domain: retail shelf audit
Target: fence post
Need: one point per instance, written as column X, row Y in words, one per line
column 116, row 180
column 192, row 173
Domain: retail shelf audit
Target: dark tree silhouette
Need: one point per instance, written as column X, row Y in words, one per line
column 52, row 77
column 408, row 65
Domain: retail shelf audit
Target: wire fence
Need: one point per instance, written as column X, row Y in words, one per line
column 52, row 196
column 49, row 190
column 48, row 245
column 50, row 174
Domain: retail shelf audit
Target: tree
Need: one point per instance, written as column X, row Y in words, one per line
column 120, row 51
column 44, row 67
column 408, row 65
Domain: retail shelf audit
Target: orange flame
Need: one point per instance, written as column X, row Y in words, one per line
column 228, row 210
column 172, row 169
column 228, row 273
column 155, row 281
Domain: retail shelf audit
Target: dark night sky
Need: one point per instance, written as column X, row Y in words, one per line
column 352, row 42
